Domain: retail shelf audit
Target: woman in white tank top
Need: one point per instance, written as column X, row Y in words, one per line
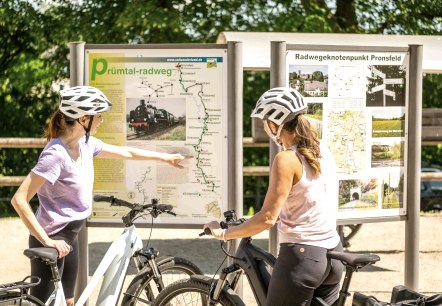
column 303, row 195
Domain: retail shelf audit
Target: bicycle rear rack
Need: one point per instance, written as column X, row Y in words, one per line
column 27, row 282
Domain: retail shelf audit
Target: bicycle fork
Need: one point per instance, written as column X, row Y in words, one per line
column 150, row 255
column 217, row 287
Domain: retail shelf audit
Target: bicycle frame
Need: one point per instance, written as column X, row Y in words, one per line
column 112, row 269
column 249, row 259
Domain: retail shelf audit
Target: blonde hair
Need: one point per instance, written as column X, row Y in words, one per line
column 58, row 123
column 306, row 140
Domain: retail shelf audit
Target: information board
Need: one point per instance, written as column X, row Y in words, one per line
column 166, row 100
column 358, row 102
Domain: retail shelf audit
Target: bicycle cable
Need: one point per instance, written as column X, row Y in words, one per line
column 228, row 253
column 150, row 234
column 219, row 267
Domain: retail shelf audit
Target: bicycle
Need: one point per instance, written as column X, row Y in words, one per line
column 153, row 271
column 257, row 265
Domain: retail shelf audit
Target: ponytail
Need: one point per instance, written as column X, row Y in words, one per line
column 307, row 141
column 59, row 122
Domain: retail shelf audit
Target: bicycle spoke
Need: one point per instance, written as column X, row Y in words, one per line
column 187, row 298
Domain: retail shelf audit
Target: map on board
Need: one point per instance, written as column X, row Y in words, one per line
column 173, row 105
column 346, row 140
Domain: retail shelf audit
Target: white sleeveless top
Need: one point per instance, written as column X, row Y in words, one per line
column 309, row 214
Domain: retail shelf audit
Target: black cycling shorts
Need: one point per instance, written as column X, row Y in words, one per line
column 68, row 265
column 302, row 273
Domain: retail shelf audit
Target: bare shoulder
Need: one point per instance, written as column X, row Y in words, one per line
column 287, row 159
column 287, row 156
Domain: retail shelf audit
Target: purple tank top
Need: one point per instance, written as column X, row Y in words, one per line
column 67, row 193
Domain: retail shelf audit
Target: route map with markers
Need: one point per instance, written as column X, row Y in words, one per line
column 358, row 102
column 170, row 101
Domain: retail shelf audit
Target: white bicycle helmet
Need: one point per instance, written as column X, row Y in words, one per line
column 79, row 101
column 279, row 105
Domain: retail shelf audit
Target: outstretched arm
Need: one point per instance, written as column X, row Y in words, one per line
column 119, row 152
column 286, row 169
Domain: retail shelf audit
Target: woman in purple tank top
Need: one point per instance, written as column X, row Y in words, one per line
column 63, row 180
column 302, row 196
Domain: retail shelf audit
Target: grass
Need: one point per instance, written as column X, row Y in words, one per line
column 178, row 133
column 388, row 128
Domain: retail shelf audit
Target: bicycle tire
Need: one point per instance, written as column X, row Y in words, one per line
column 16, row 298
column 140, row 290
column 194, row 291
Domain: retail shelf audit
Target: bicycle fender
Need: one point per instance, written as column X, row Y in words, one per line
column 163, row 259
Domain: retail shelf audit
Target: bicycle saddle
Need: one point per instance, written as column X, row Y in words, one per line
column 44, row 254
column 354, row 259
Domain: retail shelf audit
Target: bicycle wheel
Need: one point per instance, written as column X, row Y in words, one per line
column 194, row 291
column 16, row 298
column 142, row 290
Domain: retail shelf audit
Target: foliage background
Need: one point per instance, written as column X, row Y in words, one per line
column 34, row 37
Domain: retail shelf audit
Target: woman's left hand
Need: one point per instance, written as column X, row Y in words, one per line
column 215, row 228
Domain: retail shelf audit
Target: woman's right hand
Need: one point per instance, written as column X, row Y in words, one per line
column 62, row 247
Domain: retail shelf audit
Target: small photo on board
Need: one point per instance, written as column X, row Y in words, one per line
column 156, row 119
column 385, row 85
column 358, row 194
column 314, row 115
column 387, row 153
column 309, row 80
column 386, row 123
column 392, row 190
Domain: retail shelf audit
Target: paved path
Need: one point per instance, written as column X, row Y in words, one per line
column 385, row 239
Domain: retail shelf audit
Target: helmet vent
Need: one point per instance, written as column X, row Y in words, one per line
column 269, row 113
column 82, row 98
column 279, row 116
column 286, row 98
column 85, row 108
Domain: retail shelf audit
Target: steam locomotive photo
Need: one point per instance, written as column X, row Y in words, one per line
column 146, row 118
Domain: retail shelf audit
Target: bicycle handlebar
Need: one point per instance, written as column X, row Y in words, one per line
column 113, row 201
column 155, row 209
column 224, row 225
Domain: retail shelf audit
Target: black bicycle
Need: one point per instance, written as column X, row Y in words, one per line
column 257, row 265
column 154, row 272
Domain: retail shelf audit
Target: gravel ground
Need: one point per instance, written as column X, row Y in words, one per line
column 385, row 239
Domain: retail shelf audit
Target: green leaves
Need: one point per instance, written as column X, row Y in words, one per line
column 34, row 37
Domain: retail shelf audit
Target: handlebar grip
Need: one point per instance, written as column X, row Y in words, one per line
column 207, row 231
column 113, row 200
column 102, row 198
column 165, row 207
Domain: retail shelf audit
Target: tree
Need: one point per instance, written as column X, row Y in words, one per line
column 318, row 76
column 34, row 38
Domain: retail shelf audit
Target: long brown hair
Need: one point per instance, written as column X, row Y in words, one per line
column 59, row 122
column 307, row 141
